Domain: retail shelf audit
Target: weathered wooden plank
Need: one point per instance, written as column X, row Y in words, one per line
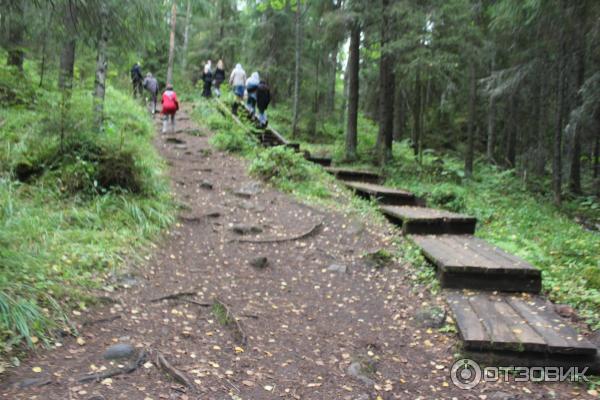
column 321, row 160
column 348, row 174
column 560, row 337
column 422, row 220
column 484, row 254
column 470, row 328
column 383, row 194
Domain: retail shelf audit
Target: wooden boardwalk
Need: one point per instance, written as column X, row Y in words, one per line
column 383, row 194
column 523, row 327
column 349, row 174
column 421, row 220
column 464, row 261
column 325, row 161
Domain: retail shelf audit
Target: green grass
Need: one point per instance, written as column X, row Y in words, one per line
column 72, row 222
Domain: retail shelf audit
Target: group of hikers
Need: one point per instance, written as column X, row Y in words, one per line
column 258, row 95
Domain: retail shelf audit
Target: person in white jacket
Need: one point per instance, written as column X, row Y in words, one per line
column 237, row 81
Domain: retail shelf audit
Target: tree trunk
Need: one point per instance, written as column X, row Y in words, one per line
column 511, row 140
column 596, row 156
column 67, row 63
column 575, row 167
column 540, row 152
column 101, row 66
column 16, row 31
column 312, row 129
column 383, row 147
column 172, row 43
column 333, row 81
column 353, row 69
column 471, row 124
column 416, row 132
column 298, row 58
column 186, row 34
column 558, row 128
column 399, row 112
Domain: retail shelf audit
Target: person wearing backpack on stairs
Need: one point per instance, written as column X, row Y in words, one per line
column 263, row 98
column 207, row 78
column 170, row 106
column 251, row 87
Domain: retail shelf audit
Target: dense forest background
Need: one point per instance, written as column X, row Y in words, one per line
column 512, row 83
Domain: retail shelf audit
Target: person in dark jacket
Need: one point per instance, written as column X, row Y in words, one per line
column 207, row 78
column 219, row 77
column 151, row 85
column 263, row 98
column 251, row 86
column 136, row 79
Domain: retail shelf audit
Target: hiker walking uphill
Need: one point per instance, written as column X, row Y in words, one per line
column 251, row 87
column 151, row 85
column 263, row 98
column 237, row 81
column 219, row 77
column 170, row 106
column 207, row 78
column 136, row 79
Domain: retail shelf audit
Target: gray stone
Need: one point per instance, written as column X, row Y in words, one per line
column 118, row 351
column 245, row 229
column 355, row 228
column 248, row 190
column 431, row 317
column 97, row 397
column 502, row 396
column 259, row 262
column 337, row 268
column 355, row 370
column 206, row 185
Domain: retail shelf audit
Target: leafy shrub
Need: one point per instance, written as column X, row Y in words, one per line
column 448, row 196
column 232, row 140
column 280, row 163
column 15, row 87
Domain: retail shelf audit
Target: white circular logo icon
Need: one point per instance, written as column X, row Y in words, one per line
column 465, row 374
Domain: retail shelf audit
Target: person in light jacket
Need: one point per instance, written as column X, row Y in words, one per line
column 237, row 81
column 251, row 87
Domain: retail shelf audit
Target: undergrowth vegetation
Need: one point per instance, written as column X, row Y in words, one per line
column 71, row 209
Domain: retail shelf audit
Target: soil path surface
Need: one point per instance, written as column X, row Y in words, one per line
column 315, row 320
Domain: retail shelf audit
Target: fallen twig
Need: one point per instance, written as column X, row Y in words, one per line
column 304, row 235
column 173, row 296
column 230, row 320
column 116, row 371
column 161, row 362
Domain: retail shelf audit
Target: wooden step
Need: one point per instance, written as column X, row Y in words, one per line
column 383, row 195
column 522, row 328
column 348, row 174
column 464, row 261
column 321, row 160
column 421, row 220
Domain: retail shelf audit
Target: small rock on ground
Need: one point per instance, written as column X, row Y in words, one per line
column 259, row 262
column 118, row 351
column 355, row 370
column 243, row 229
column 431, row 317
column 206, row 185
column 337, row 268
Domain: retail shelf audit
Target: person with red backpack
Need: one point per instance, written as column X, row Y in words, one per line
column 170, row 105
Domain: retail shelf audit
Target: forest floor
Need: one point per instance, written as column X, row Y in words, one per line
column 318, row 321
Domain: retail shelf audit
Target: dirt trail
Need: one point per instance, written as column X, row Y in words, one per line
column 304, row 325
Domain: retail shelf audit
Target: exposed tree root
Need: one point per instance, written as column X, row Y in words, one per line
column 134, row 365
column 161, row 363
column 304, row 235
column 173, row 296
